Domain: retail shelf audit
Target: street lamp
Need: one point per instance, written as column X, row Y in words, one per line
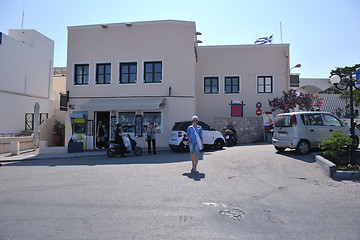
column 296, row 66
column 347, row 83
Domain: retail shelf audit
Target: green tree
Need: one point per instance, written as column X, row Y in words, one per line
column 345, row 73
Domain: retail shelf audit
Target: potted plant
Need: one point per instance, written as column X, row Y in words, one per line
column 58, row 132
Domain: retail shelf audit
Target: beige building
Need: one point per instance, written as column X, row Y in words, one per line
column 26, row 62
column 141, row 72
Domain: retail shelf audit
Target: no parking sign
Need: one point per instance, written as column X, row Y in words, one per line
column 258, row 110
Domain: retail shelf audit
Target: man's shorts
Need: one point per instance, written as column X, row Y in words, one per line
column 194, row 148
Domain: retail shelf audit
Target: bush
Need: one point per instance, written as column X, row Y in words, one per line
column 336, row 146
column 59, row 128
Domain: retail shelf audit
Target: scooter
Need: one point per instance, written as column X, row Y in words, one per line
column 230, row 136
column 114, row 148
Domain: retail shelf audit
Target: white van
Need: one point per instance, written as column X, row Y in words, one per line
column 305, row 130
column 211, row 137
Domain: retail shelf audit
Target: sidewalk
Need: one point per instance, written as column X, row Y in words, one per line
column 28, row 155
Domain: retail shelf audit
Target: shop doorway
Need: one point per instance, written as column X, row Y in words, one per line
column 104, row 118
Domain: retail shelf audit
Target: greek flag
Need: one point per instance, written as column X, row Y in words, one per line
column 264, row 40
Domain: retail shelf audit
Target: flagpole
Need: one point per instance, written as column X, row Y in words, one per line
column 22, row 20
column 281, row 31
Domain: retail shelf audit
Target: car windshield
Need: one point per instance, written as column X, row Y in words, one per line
column 181, row 126
column 283, row 121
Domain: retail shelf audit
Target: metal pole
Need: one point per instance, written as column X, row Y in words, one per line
column 352, row 125
column 281, row 32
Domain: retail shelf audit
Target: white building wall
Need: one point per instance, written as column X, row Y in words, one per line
column 247, row 62
column 26, row 61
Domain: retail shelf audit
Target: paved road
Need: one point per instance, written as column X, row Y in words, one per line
column 243, row 192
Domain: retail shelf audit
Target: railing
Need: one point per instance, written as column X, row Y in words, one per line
column 4, row 135
column 22, row 134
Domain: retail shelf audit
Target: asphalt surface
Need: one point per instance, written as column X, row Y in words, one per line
column 243, row 192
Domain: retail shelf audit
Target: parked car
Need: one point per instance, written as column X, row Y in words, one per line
column 211, row 137
column 305, row 130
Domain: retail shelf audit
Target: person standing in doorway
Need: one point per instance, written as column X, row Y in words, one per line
column 150, row 134
column 194, row 133
column 100, row 135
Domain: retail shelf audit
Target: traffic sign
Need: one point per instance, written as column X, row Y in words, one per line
column 268, row 118
column 258, row 112
column 258, row 105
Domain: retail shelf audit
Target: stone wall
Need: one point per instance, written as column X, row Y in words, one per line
column 249, row 130
column 25, row 143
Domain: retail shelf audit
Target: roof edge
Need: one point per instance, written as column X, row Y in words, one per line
column 133, row 24
column 245, row 46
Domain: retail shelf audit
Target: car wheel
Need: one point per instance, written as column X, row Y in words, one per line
column 303, row 147
column 280, row 149
column 183, row 148
column 219, row 144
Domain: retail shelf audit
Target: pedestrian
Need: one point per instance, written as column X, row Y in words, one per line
column 194, row 133
column 100, row 136
column 119, row 140
column 150, row 135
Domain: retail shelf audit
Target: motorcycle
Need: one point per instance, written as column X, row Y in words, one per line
column 230, row 136
column 114, row 148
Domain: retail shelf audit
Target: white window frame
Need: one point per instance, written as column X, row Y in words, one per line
column 232, row 75
column 143, row 71
column 111, row 69
column 73, row 74
column 273, row 83
column 203, row 84
column 137, row 72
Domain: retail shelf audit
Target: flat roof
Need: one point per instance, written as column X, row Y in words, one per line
column 102, row 25
column 244, row 46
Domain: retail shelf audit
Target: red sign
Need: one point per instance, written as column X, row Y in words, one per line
column 258, row 112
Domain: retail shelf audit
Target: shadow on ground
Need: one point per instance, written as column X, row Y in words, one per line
column 196, row 176
column 293, row 154
column 160, row 158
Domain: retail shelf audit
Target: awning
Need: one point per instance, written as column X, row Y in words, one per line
column 76, row 115
column 123, row 104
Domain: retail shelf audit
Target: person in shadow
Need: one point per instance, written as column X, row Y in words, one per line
column 119, row 139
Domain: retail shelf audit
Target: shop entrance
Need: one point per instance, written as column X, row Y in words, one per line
column 104, row 118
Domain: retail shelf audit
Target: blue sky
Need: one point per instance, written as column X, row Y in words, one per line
column 323, row 34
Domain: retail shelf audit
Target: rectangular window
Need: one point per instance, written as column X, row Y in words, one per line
column 211, row 85
column 152, row 117
column 127, row 120
column 103, row 73
column 81, row 75
column 231, row 85
column 128, row 73
column 265, row 84
column 152, row 72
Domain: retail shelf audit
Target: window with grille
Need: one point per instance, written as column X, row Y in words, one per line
column 81, row 74
column 211, row 85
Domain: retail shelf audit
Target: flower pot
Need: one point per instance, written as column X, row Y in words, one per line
column 57, row 140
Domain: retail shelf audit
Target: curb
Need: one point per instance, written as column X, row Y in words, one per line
column 330, row 169
column 4, row 158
